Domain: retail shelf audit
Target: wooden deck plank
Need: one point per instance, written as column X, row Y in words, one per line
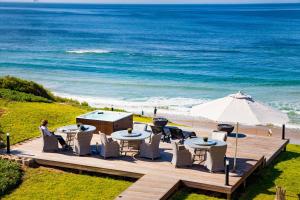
column 159, row 178
column 150, row 187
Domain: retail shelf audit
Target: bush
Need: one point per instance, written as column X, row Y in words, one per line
column 29, row 87
column 10, row 176
column 21, row 96
column 85, row 104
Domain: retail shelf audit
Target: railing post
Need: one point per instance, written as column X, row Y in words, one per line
column 227, row 172
column 283, row 134
column 283, row 131
column 7, row 143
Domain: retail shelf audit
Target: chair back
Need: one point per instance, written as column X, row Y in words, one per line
column 215, row 158
column 83, row 137
column 50, row 143
column 219, row 135
column 139, row 126
column 103, row 138
column 175, row 148
column 175, row 151
column 41, row 131
column 155, row 140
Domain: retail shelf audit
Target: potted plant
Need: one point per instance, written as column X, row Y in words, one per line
column 129, row 130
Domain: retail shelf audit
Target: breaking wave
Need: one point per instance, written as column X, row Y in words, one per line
column 85, row 51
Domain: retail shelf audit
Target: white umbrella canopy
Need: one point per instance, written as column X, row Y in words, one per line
column 240, row 108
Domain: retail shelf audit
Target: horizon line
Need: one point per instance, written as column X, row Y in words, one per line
column 147, row 3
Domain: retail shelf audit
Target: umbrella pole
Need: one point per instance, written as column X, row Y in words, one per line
column 236, row 144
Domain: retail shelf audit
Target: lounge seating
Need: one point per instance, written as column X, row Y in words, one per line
column 50, row 143
column 181, row 156
column 219, row 135
column 156, row 129
column 151, row 149
column 167, row 135
column 215, row 158
column 180, row 134
column 109, row 148
column 82, row 143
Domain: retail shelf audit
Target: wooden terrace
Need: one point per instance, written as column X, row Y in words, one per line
column 159, row 179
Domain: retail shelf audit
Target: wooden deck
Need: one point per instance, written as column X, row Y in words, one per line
column 159, row 179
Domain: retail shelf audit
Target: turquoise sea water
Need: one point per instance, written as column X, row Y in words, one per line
column 140, row 56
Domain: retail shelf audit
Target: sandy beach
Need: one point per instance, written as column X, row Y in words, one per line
column 203, row 127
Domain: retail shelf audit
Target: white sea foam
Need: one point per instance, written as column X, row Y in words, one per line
column 178, row 108
column 83, row 51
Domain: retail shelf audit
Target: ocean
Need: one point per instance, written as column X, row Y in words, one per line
column 170, row 56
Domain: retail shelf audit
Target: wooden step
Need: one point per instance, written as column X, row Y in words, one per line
column 150, row 187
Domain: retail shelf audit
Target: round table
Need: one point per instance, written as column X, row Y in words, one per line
column 132, row 140
column 200, row 147
column 198, row 143
column 71, row 131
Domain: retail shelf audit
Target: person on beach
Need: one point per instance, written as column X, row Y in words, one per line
column 155, row 111
column 44, row 127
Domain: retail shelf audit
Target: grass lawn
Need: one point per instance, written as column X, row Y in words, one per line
column 21, row 119
column 44, row 183
column 285, row 172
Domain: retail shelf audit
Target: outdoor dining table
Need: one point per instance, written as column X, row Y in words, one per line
column 199, row 146
column 125, row 138
column 71, row 130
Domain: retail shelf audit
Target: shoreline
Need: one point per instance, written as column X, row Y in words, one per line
column 203, row 126
column 175, row 113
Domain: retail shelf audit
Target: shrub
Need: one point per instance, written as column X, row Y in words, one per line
column 21, row 96
column 10, row 175
column 29, row 87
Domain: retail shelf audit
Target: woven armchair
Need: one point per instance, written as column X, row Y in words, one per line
column 109, row 148
column 215, row 158
column 50, row 143
column 151, row 149
column 82, row 143
column 182, row 157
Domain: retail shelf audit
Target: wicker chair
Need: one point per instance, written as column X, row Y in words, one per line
column 151, row 149
column 181, row 156
column 140, row 126
column 219, row 135
column 215, row 158
column 50, row 143
column 135, row 145
column 109, row 148
column 82, row 143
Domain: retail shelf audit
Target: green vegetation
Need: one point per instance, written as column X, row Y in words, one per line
column 191, row 194
column 284, row 172
column 29, row 87
column 21, row 96
column 43, row 183
column 10, row 175
column 16, row 89
column 22, row 119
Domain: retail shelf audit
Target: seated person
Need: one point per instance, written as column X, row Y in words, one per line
column 44, row 127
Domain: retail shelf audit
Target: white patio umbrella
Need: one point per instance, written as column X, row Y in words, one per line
column 239, row 108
